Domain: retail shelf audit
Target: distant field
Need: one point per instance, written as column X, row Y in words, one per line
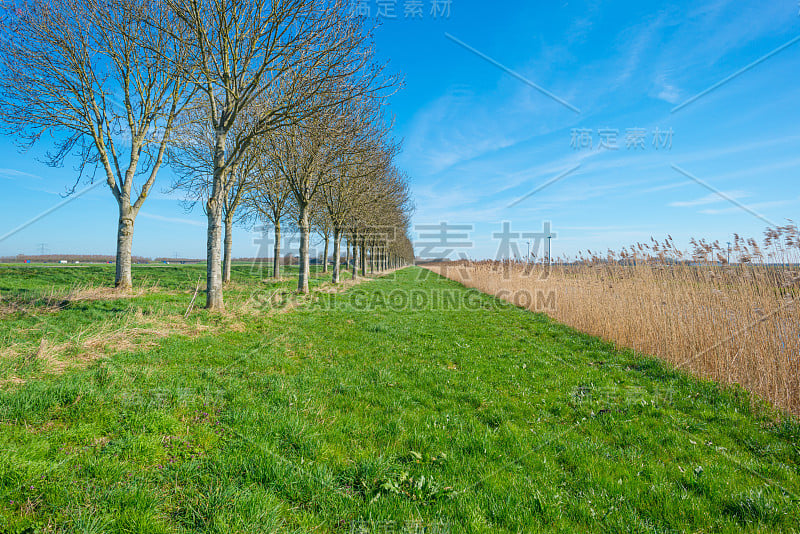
column 405, row 404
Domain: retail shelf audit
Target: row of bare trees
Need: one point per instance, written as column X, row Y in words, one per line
column 266, row 107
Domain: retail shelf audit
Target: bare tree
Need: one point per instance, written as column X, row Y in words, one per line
column 191, row 156
column 306, row 155
column 278, row 54
column 320, row 151
column 381, row 216
column 269, row 198
column 350, row 190
column 86, row 71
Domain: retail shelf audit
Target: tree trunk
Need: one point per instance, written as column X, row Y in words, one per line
column 355, row 258
column 363, row 253
column 305, row 263
column 214, row 299
column 123, row 278
column 228, row 252
column 372, row 260
column 347, row 253
column 337, row 238
column 325, row 257
column 276, row 259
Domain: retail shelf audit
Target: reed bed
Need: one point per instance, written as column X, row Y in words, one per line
column 736, row 323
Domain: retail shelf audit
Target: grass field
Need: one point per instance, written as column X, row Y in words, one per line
column 69, row 316
column 405, row 404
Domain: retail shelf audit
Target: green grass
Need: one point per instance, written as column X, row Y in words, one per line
column 39, row 290
column 355, row 413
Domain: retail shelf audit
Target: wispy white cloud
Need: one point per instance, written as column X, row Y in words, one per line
column 667, row 186
column 449, row 131
column 757, row 146
column 174, row 220
column 757, row 206
column 13, row 174
column 712, row 198
column 667, row 91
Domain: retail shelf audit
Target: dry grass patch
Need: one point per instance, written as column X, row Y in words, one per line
column 12, row 381
column 88, row 293
column 137, row 332
column 56, row 299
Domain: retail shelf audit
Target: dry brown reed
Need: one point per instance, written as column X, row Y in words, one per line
column 736, row 323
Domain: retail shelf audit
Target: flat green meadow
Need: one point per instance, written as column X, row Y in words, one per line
column 406, row 403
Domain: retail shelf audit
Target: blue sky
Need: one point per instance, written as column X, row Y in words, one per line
column 477, row 138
